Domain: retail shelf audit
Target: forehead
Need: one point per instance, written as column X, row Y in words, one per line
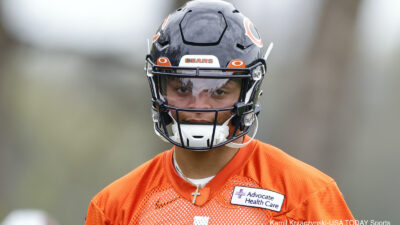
column 206, row 82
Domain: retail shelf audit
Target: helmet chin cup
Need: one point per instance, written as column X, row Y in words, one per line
column 200, row 135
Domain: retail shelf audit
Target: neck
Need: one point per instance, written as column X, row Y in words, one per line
column 202, row 164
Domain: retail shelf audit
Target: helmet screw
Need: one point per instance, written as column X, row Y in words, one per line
column 258, row 73
column 155, row 115
column 248, row 119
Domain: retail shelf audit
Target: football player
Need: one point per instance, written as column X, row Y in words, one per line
column 205, row 68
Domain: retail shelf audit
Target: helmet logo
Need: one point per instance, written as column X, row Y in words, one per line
column 236, row 63
column 251, row 32
column 199, row 61
column 156, row 37
column 163, row 61
column 164, row 24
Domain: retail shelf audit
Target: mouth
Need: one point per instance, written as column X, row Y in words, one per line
column 198, row 121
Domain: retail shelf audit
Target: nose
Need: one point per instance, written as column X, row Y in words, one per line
column 201, row 101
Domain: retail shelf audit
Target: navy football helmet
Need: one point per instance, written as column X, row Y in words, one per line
column 206, row 48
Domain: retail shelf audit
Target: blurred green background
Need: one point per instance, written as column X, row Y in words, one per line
column 75, row 104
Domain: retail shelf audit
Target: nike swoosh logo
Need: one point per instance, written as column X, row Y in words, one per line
column 160, row 204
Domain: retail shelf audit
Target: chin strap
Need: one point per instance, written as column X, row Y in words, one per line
column 241, row 145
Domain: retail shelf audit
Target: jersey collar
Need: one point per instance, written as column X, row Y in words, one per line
column 185, row 189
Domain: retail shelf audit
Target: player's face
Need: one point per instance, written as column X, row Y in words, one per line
column 201, row 93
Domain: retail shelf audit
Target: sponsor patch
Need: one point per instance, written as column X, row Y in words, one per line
column 257, row 197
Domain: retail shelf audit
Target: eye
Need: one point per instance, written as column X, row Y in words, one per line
column 219, row 92
column 183, row 90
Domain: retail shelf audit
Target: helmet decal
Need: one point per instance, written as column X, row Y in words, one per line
column 163, row 61
column 164, row 24
column 236, row 63
column 199, row 61
column 156, row 37
column 251, row 32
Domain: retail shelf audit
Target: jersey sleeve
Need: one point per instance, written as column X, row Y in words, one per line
column 96, row 216
column 326, row 204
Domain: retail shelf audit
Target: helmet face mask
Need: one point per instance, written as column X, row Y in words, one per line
column 204, row 87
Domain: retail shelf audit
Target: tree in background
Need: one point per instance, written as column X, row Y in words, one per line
column 6, row 46
column 325, row 81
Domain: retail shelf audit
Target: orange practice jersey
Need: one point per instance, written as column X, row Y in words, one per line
column 260, row 185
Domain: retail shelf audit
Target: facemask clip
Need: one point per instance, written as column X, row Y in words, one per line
column 248, row 119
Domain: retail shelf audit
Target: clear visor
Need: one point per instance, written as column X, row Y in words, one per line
column 200, row 93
